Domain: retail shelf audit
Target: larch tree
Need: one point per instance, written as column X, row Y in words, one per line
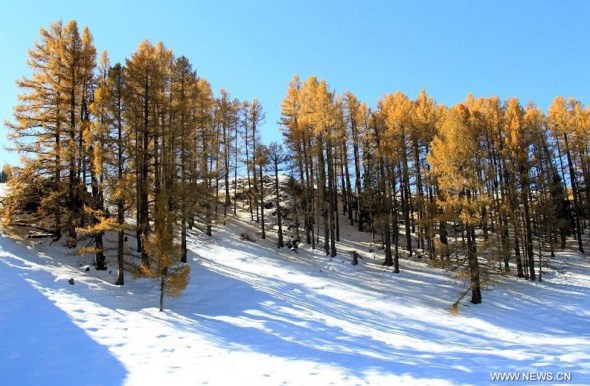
column 454, row 159
column 295, row 139
column 424, row 119
column 398, row 120
column 184, row 81
column 141, row 76
column 560, row 121
column 256, row 117
column 164, row 253
column 517, row 144
column 261, row 161
column 95, row 141
column 38, row 129
column 277, row 157
column 119, row 175
column 79, row 60
column 353, row 116
column 49, row 120
column 386, row 141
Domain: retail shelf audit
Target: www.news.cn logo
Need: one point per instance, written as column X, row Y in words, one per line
column 531, row 376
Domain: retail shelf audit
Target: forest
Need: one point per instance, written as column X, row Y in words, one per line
column 147, row 150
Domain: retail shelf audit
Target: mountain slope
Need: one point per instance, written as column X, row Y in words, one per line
column 257, row 315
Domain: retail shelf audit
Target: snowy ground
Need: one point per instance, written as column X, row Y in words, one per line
column 255, row 315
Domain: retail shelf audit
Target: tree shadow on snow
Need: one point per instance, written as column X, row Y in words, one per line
column 279, row 318
column 40, row 345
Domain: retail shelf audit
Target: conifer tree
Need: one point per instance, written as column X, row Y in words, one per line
column 424, row 118
column 561, row 122
column 164, row 253
column 295, row 137
column 184, row 85
column 517, row 144
column 256, row 117
column 48, row 123
column 112, row 153
column 141, row 76
column 277, row 157
column 454, row 159
column 386, row 144
column 262, row 157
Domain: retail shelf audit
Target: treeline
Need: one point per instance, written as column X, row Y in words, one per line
column 485, row 178
column 144, row 149
column 104, row 144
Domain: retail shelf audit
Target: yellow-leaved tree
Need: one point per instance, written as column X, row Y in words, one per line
column 164, row 252
column 454, row 159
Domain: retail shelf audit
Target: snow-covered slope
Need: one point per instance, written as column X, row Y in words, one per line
column 255, row 315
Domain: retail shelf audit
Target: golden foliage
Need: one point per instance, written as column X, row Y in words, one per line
column 88, row 250
column 164, row 252
column 103, row 224
column 177, row 279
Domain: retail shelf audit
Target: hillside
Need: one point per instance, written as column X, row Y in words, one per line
column 253, row 314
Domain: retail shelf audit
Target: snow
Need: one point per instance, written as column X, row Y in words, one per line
column 253, row 314
column 3, row 189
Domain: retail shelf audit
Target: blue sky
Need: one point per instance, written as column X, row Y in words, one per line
column 534, row 50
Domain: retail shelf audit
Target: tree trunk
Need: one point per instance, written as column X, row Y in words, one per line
column 473, row 262
column 120, row 244
column 357, row 173
column 143, row 180
column 349, row 191
column 263, row 236
column 524, row 182
column 473, row 266
column 333, row 207
column 406, row 204
column 57, row 213
column 280, row 243
column 420, row 201
column 248, row 165
column 322, row 193
column 227, row 201
column 575, row 193
column 236, row 173
column 162, row 280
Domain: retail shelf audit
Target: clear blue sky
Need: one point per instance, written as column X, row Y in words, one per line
column 534, row 50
